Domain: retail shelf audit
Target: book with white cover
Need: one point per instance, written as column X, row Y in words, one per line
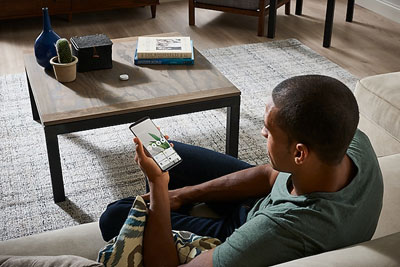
column 164, row 47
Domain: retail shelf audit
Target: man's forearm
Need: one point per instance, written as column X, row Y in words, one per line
column 252, row 182
column 159, row 248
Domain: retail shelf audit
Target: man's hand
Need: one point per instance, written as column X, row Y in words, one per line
column 175, row 199
column 147, row 164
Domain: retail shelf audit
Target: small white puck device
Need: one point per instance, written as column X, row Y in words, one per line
column 124, row 77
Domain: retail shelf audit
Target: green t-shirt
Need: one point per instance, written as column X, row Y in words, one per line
column 283, row 227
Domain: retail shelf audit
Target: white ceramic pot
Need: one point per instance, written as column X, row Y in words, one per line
column 64, row 72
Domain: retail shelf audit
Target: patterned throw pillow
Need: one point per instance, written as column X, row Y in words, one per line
column 190, row 245
column 126, row 248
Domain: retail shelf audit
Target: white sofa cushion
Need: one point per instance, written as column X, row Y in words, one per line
column 389, row 220
column 82, row 240
column 383, row 143
column 47, row 261
column 379, row 100
column 379, row 252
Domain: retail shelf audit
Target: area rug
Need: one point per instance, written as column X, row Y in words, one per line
column 98, row 165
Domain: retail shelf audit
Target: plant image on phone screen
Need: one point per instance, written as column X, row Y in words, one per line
column 155, row 143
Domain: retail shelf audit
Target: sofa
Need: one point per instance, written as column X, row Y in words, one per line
column 379, row 102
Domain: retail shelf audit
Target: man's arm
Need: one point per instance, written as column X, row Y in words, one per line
column 252, row 182
column 158, row 244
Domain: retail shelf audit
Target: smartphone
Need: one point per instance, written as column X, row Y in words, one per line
column 155, row 144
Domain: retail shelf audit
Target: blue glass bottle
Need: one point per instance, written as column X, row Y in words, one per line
column 45, row 43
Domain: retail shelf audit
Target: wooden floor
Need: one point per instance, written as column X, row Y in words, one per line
column 369, row 45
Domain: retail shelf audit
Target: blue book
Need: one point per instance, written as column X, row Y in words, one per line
column 165, row 61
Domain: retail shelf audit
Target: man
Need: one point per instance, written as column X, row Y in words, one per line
column 322, row 191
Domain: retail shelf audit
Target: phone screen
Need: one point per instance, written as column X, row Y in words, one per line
column 155, row 143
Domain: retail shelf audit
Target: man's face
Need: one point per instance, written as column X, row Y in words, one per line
column 277, row 140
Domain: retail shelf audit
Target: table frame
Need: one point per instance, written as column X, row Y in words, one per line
column 232, row 103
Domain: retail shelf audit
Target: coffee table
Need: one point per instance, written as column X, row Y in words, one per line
column 99, row 99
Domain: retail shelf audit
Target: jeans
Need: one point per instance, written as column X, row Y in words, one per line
column 199, row 165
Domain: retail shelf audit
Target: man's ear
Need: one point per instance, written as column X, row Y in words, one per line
column 301, row 153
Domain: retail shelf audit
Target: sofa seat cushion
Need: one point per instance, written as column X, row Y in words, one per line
column 47, row 261
column 245, row 4
column 379, row 100
column 81, row 240
column 379, row 252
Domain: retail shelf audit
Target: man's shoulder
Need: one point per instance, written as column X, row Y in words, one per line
column 360, row 143
column 363, row 156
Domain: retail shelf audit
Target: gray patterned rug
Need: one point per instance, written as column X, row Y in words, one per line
column 98, row 165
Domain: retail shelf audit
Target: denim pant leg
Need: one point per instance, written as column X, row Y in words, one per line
column 199, row 165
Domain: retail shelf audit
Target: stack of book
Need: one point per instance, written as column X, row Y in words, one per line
column 164, row 50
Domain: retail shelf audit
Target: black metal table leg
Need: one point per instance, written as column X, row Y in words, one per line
column 272, row 18
column 350, row 10
column 232, row 129
column 299, row 7
column 53, row 153
column 330, row 10
column 35, row 113
column 153, row 10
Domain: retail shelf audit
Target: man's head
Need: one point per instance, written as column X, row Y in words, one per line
column 313, row 112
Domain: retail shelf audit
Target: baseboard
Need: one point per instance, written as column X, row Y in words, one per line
column 386, row 8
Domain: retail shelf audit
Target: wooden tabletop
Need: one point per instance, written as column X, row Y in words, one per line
column 100, row 93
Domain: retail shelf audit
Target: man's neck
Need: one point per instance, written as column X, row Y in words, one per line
column 321, row 177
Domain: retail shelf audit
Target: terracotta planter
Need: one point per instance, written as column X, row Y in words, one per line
column 64, row 72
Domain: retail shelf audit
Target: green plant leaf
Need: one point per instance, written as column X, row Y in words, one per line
column 162, row 145
column 165, row 145
column 154, row 136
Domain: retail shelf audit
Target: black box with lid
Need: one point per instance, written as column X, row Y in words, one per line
column 93, row 52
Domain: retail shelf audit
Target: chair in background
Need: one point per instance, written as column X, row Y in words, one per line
column 330, row 11
column 257, row 8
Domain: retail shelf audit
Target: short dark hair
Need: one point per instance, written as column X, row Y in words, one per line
column 318, row 111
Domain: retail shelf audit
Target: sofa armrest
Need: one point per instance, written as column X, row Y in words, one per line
column 378, row 99
column 82, row 240
column 383, row 251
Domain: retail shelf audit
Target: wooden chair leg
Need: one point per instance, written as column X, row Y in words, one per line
column 299, row 7
column 350, row 10
column 287, row 8
column 261, row 18
column 191, row 12
column 261, row 27
column 153, row 11
column 272, row 18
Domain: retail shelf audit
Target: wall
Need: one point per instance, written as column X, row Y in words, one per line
column 386, row 8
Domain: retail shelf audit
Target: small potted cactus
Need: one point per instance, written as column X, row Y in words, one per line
column 64, row 64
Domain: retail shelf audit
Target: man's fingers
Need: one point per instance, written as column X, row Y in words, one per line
column 166, row 136
column 139, row 147
column 146, row 197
